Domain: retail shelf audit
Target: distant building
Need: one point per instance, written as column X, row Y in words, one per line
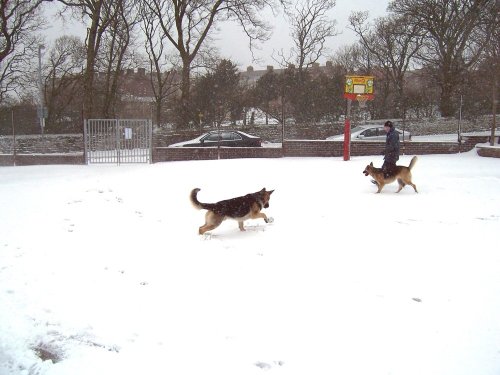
column 137, row 96
column 251, row 76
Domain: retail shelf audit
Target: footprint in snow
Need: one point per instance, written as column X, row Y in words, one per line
column 268, row 366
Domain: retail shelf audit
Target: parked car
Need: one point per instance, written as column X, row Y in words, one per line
column 369, row 133
column 222, row 138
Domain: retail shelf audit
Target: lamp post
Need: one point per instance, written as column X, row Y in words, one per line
column 41, row 108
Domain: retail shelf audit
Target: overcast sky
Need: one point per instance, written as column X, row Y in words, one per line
column 233, row 44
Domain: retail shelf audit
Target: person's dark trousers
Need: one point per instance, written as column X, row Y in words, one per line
column 388, row 168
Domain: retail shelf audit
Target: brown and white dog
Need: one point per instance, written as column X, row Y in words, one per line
column 239, row 209
column 401, row 173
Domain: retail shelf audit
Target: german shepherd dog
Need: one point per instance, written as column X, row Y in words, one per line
column 239, row 209
column 401, row 173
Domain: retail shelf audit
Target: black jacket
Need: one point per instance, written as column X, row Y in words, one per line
column 392, row 146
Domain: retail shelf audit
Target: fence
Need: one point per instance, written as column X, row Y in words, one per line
column 118, row 141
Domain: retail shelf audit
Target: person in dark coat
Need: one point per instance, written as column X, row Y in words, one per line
column 391, row 152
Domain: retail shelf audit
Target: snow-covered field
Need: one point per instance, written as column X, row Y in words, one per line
column 102, row 270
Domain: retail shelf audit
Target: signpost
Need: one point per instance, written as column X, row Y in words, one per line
column 42, row 110
column 358, row 88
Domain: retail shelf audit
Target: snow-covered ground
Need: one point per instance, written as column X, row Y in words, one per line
column 102, row 270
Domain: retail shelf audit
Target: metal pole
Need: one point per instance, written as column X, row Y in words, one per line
column 118, row 133
column 85, row 143
column 494, row 107
column 150, row 140
column 347, row 132
column 460, row 120
column 218, row 140
column 40, row 83
column 13, row 137
column 283, row 116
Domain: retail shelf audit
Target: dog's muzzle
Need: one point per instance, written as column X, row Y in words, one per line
column 365, row 172
column 266, row 205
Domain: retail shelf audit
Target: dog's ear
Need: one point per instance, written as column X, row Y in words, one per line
column 371, row 164
column 270, row 192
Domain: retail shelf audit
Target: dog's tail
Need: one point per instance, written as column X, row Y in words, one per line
column 194, row 199
column 412, row 162
column 195, row 202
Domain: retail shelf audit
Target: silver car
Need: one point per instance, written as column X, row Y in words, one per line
column 369, row 133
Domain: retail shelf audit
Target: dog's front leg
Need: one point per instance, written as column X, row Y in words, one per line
column 262, row 215
column 240, row 225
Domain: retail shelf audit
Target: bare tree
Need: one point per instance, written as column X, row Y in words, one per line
column 19, row 20
column 115, row 45
column 453, row 38
column 311, row 27
column 64, row 79
column 16, row 71
column 392, row 46
column 163, row 73
column 492, row 61
column 188, row 23
column 350, row 58
column 99, row 14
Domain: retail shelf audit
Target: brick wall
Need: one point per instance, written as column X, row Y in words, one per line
column 194, row 153
column 362, row 148
column 489, row 152
column 305, row 148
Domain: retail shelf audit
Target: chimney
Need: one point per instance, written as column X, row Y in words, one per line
column 141, row 71
column 130, row 71
column 250, row 68
column 329, row 64
column 270, row 68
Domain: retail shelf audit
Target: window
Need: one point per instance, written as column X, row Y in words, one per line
column 226, row 136
column 212, row 137
column 369, row 133
column 232, row 136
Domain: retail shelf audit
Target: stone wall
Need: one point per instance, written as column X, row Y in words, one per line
column 46, row 144
column 67, row 143
column 41, row 159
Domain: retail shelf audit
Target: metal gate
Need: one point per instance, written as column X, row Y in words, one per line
column 118, row 141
